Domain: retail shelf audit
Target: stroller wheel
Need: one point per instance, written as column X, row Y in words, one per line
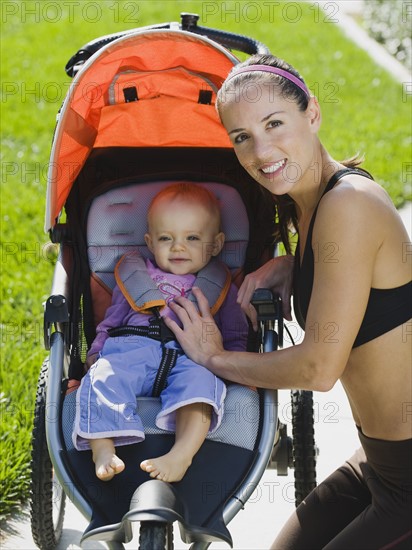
column 155, row 535
column 47, row 496
column 304, row 449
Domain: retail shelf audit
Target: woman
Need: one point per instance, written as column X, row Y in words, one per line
column 351, row 279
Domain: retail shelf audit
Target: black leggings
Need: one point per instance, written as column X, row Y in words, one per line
column 365, row 504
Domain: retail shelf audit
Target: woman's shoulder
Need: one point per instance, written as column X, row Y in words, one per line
column 356, row 205
column 356, row 193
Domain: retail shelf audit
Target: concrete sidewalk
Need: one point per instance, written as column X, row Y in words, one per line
column 346, row 13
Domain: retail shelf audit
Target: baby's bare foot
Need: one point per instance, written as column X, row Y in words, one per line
column 107, row 463
column 168, row 467
column 108, row 467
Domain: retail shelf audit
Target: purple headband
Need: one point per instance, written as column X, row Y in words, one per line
column 274, row 70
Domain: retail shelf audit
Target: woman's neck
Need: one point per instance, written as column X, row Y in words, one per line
column 314, row 182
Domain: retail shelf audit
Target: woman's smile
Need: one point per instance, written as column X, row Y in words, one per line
column 271, row 170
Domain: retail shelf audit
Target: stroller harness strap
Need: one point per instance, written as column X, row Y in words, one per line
column 168, row 361
column 143, row 295
column 154, row 331
column 157, row 330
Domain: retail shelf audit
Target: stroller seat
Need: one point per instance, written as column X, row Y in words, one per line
column 200, row 495
column 116, row 224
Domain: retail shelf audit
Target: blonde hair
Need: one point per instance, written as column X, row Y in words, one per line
column 190, row 192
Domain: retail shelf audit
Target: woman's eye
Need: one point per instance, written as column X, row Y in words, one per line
column 240, row 138
column 274, row 123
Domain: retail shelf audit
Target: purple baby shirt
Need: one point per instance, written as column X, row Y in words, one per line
column 230, row 319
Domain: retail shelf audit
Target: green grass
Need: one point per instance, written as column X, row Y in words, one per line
column 363, row 111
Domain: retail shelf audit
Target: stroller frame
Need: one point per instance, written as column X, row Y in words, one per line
column 237, row 500
column 48, row 438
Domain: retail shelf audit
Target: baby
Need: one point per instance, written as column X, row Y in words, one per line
column 184, row 236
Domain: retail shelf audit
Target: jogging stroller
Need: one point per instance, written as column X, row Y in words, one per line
column 139, row 115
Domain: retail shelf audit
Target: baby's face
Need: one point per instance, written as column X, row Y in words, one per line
column 182, row 236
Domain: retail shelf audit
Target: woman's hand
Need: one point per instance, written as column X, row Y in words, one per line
column 277, row 275
column 200, row 338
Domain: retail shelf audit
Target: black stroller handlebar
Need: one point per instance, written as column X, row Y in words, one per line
column 268, row 307
column 229, row 40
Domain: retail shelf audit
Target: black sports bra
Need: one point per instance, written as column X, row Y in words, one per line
column 386, row 308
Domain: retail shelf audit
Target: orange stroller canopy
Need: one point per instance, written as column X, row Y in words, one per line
column 153, row 88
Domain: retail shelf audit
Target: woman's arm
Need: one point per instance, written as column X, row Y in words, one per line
column 344, row 261
column 202, row 342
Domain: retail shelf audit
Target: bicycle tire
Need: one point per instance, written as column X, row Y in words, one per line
column 303, row 443
column 48, row 500
column 156, row 535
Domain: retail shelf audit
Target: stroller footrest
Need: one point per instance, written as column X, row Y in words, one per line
column 118, row 532
column 157, row 501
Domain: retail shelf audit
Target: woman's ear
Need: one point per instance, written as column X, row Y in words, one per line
column 314, row 114
column 218, row 243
